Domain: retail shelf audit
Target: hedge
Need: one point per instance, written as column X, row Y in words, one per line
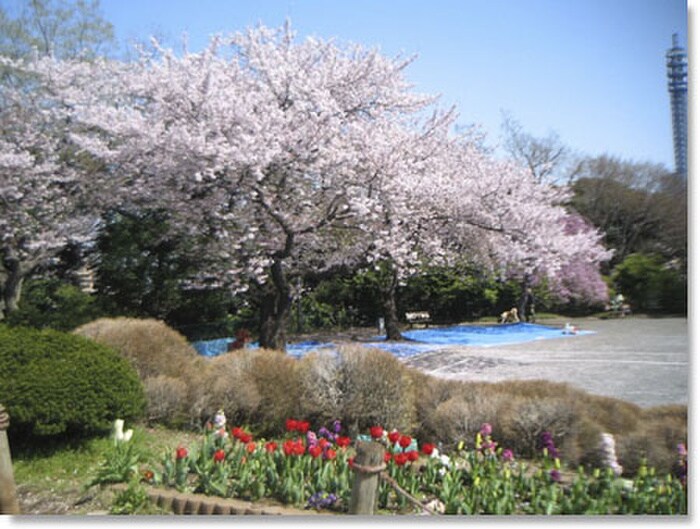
column 53, row 383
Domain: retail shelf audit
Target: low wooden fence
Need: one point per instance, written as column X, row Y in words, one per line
column 8, row 492
column 368, row 465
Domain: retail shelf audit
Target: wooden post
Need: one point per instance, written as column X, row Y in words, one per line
column 369, row 462
column 8, row 495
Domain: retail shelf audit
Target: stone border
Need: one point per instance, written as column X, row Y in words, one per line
column 182, row 503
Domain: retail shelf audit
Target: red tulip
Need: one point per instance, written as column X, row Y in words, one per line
column 181, row 452
column 219, row 456
column 245, row 437
column 270, row 447
column 400, row 459
column 315, row 451
column 288, row 447
column 299, row 448
column 376, row 432
column 329, row 454
column 428, row 448
column 412, row 455
column 343, row 442
column 303, row 426
column 387, row 457
column 250, row 447
column 394, row 436
column 291, row 425
column 236, row 432
column 405, row 441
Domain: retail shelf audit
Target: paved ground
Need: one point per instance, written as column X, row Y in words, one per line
column 640, row 360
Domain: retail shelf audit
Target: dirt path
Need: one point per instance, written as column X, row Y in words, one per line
column 640, row 360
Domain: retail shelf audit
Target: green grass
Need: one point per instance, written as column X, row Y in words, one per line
column 61, row 470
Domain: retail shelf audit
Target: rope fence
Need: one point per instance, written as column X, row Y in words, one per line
column 368, row 472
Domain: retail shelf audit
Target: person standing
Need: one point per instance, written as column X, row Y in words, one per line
column 527, row 305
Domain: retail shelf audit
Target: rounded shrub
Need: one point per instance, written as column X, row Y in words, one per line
column 150, row 345
column 166, row 399
column 53, row 383
column 376, row 388
column 169, row 367
column 254, row 386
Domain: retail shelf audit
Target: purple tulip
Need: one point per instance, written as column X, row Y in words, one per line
column 311, row 438
column 323, row 432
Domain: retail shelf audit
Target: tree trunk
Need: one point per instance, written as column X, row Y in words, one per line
column 11, row 285
column 275, row 309
column 391, row 317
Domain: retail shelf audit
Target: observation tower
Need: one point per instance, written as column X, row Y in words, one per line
column 677, row 73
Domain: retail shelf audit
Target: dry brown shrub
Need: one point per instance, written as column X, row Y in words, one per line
column 458, row 419
column 656, row 440
column 430, row 392
column 230, row 386
column 614, row 416
column 376, row 388
column 582, row 446
column 254, row 386
column 155, row 350
column 534, row 389
column 150, row 345
column 526, row 417
column 321, row 396
column 675, row 411
column 276, row 378
column 166, row 400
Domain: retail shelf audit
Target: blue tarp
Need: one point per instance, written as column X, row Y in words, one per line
column 421, row 340
column 474, row 335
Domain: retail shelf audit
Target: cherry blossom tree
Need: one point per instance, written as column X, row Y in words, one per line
column 579, row 279
column 461, row 204
column 285, row 158
column 43, row 202
column 258, row 145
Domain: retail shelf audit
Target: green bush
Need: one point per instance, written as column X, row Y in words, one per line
column 54, row 304
column 54, row 383
column 651, row 284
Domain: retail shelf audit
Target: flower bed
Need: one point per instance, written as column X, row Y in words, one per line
column 313, row 469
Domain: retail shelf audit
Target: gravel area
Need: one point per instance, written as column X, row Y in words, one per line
column 637, row 359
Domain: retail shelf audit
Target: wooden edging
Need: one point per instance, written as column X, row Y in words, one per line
column 182, row 503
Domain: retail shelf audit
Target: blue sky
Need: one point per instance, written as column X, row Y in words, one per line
column 592, row 71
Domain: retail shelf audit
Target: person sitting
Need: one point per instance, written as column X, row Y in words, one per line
column 569, row 329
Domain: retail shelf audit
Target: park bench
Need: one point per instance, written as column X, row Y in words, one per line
column 619, row 312
column 418, row 317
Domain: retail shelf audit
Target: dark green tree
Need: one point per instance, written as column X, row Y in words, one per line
column 650, row 284
column 55, row 304
column 628, row 202
column 146, row 269
column 141, row 265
